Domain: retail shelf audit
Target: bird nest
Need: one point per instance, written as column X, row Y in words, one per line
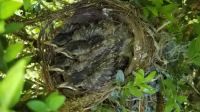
column 98, row 38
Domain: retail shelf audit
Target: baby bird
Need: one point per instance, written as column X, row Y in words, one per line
column 90, row 49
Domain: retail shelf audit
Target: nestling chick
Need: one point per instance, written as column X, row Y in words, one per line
column 98, row 47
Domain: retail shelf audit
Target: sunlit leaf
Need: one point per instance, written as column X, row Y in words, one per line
column 12, row 52
column 55, row 101
column 150, row 76
column 135, row 91
column 169, row 106
column 8, row 7
column 38, row 106
column 139, row 76
column 2, row 26
column 147, row 89
column 177, row 108
column 181, row 99
column 11, row 86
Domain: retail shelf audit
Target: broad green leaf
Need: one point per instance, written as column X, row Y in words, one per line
column 2, row 26
column 38, row 106
column 12, row 52
column 150, row 76
column 157, row 3
column 12, row 85
column 5, row 109
column 181, row 99
column 168, row 10
column 8, row 7
column 13, row 27
column 193, row 51
column 27, row 4
column 55, row 101
column 139, row 77
column 170, row 86
column 169, row 106
column 196, row 59
column 147, row 89
column 120, row 76
column 153, row 10
column 135, row 91
column 177, row 108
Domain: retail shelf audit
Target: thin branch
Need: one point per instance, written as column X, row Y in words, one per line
column 163, row 26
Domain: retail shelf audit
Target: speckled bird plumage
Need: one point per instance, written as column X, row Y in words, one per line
column 90, row 49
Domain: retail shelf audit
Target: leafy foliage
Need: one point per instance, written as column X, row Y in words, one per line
column 51, row 104
column 140, row 86
column 173, row 99
column 15, row 76
column 194, row 51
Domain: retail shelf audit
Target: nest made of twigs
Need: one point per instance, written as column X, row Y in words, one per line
column 142, row 46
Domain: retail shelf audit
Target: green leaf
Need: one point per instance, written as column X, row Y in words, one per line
column 38, row 106
column 13, row 27
column 157, row 3
column 135, row 91
column 150, row 77
column 153, row 10
column 169, row 106
column 2, row 26
column 4, row 110
column 170, row 86
column 193, row 51
column 147, row 89
column 55, row 101
column 126, row 92
column 177, row 108
column 168, row 10
column 8, row 7
column 12, row 52
column 27, row 4
column 12, row 85
column 139, row 77
column 181, row 99
column 120, row 76
column 196, row 60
